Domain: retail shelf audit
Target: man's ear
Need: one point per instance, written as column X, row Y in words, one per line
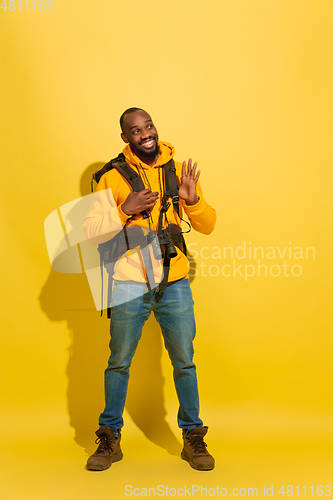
column 124, row 138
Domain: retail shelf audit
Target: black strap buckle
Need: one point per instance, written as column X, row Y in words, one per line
column 165, row 206
column 158, row 295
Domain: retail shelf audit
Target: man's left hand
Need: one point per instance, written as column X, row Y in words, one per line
column 188, row 187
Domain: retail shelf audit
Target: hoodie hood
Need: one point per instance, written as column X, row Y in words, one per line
column 167, row 151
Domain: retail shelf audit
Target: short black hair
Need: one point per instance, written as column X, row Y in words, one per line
column 128, row 112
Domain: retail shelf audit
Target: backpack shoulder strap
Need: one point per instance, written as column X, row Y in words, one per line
column 124, row 169
column 171, row 184
column 130, row 175
column 108, row 166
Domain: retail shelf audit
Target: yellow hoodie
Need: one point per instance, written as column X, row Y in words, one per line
column 106, row 218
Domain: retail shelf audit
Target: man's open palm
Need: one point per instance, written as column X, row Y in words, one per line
column 188, row 187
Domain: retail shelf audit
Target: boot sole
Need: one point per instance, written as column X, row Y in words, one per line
column 187, row 458
column 115, row 458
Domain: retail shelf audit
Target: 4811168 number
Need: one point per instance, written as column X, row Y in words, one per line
column 319, row 491
column 29, row 5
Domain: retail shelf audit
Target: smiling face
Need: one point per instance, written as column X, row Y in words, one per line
column 140, row 133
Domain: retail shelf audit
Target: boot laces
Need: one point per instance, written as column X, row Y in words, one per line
column 198, row 444
column 105, row 443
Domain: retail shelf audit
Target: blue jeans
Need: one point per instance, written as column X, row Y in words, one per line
column 175, row 315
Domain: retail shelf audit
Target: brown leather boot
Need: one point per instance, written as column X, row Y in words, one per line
column 194, row 450
column 108, row 450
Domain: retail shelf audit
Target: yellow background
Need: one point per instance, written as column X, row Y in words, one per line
column 244, row 87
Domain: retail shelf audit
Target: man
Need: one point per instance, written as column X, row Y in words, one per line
column 173, row 310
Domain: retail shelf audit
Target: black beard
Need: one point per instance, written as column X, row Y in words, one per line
column 147, row 154
column 152, row 153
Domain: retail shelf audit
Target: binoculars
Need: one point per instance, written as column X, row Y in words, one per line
column 164, row 238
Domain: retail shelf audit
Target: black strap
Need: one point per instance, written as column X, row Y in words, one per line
column 108, row 166
column 130, row 175
column 171, row 184
column 110, row 282
column 102, row 281
column 148, row 266
column 132, row 178
column 164, row 283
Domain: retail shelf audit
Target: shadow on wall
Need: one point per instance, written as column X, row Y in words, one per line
column 67, row 297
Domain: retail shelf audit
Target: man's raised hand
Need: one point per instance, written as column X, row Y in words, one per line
column 188, row 187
